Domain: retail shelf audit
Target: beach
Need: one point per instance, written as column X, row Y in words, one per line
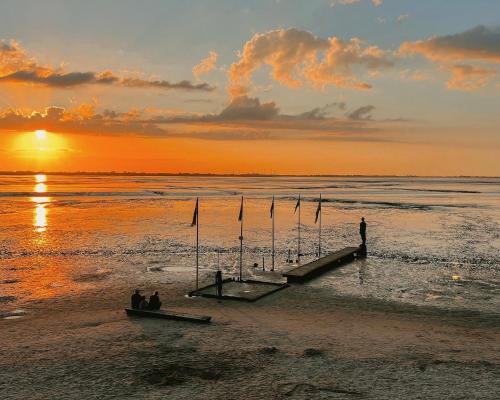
column 418, row 318
column 299, row 343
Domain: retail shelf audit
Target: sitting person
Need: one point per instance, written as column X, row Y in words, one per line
column 136, row 299
column 154, row 301
column 143, row 305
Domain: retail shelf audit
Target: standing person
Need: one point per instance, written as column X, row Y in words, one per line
column 136, row 299
column 218, row 283
column 154, row 301
column 362, row 230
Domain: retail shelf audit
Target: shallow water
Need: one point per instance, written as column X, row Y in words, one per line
column 431, row 241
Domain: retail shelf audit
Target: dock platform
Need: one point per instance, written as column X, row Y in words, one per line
column 164, row 314
column 247, row 290
column 311, row 270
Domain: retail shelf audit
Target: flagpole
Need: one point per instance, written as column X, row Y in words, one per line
column 272, row 268
column 241, row 240
column 298, row 239
column 197, row 242
column 319, row 239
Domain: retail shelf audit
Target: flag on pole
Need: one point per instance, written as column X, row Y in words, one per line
column 240, row 217
column 271, row 211
column 297, row 205
column 195, row 214
column 318, row 210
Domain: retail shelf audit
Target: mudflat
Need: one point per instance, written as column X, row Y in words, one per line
column 299, row 343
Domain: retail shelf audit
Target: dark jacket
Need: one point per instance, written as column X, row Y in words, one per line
column 135, row 300
column 154, row 302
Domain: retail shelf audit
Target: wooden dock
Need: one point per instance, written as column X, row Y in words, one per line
column 308, row 271
column 247, row 290
column 164, row 314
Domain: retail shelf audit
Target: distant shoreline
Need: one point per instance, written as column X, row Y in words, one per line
column 249, row 175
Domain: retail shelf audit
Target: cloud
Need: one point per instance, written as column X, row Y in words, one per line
column 205, row 65
column 470, row 56
column 296, row 56
column 242, row 119
column 402, row 18
column 479, row 43
column 184, row 85
column 247, row 108
column 361, row 113
column 469, row 77
column 376, row 3
column 344, row 2
column 414, row 75
column 321, row 112
column 17, row 67
column 81, row 120
column 59, row 79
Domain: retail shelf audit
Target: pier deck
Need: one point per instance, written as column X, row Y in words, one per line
column 248, row 290
column 164, row 314
column 308, row 271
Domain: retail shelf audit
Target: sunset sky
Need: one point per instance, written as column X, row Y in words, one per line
column 285, row 86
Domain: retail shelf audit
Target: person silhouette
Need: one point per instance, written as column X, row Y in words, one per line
column 136, row 299
column 154, row 301
column 218, row 283
column 362, row 230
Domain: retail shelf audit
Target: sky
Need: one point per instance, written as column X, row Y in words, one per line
column 368, row 87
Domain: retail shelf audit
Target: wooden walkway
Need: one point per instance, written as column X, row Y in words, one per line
column 247, row 290
column 308, row 271
column 164, row 314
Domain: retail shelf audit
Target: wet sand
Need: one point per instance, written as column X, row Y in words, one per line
column 299, row 343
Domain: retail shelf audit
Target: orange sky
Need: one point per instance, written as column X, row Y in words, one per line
column 69, row 152
column 367, row 88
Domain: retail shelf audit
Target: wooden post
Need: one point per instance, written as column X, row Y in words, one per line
column 197, row 249
column 319, row 238
column 241, row 240
column 298, row 238
column 272, row 266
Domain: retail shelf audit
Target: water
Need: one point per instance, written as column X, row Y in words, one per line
column 431, row 241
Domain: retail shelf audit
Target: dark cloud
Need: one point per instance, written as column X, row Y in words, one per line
column 17, row 67
column 71, row 79
column 58, row 79
column 243, row 119
column 321, row 112
column 184, row 85
column 246, row 108
column 361, row 113
column 479, row 43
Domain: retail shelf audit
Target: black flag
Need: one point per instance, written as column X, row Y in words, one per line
column 271, row 211
column 240, row 217
column 297, row 205
column 195, row 215
column 318, row 210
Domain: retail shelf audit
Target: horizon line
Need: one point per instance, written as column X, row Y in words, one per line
column 250, row 174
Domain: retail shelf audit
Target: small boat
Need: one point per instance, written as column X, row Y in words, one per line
column 203, row 319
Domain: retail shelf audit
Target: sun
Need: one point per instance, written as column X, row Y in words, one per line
column 41, row 134
column 40, row 146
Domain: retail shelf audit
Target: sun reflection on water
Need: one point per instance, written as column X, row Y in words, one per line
column 40, row 211
column 40, row 178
